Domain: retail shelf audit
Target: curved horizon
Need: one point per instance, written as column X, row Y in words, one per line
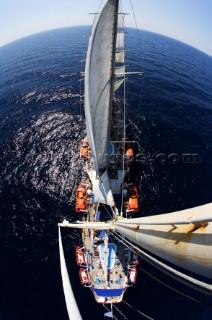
column 89, row 26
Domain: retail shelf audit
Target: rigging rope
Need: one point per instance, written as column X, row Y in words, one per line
column 108, row 211
column 120, row 312
column 109, row 311
column 161, row 282
column 170, row 287
column 100, row 6
column 143, row 314
column 124, row 138
column 80, row 96
column 134, row 15
column 127, row 302
column 137, row 39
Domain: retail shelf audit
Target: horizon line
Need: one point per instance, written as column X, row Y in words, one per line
column 87, row 25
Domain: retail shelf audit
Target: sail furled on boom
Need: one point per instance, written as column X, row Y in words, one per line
column 182, row 238
column 99, row 78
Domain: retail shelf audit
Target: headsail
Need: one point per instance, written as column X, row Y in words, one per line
column 99, row 74
column 101, row 188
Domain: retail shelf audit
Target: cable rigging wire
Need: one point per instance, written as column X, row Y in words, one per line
column 158, row 280
column 177, row 275
column 138, row 311
column 134, row 15
column 109, row 311
column 120, row 312
column 170, row 287
column 124, row 138
column 137, row 39
column 81, row 95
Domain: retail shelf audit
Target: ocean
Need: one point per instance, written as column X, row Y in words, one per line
column 169, row 115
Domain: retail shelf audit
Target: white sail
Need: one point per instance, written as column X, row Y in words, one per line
column 183, row 238
column 119, row 72
column 99, row 82
column 116, row 184
column 120, row 40
column 101, row 188
column 120, row 56
column 117, row 84
column 108, row 314
column 72, row 308
column 120, row 53
column 121, row 17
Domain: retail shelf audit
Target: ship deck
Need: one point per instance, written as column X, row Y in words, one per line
column 107, row 268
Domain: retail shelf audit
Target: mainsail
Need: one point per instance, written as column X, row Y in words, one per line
column 99, row 78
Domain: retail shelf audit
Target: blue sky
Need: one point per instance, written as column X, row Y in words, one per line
column 189, row 21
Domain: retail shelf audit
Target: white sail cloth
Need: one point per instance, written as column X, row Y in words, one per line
column 120, row 56
column 101, row 188
column 117, row 84
column 99, row 82
column 119, row 72
column 182, row 237
column 120, row 40
column 72, row 308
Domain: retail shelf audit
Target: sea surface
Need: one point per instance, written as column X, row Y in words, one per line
column 169, row 114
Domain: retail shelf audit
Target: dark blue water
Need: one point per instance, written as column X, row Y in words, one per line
column 41, row 124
